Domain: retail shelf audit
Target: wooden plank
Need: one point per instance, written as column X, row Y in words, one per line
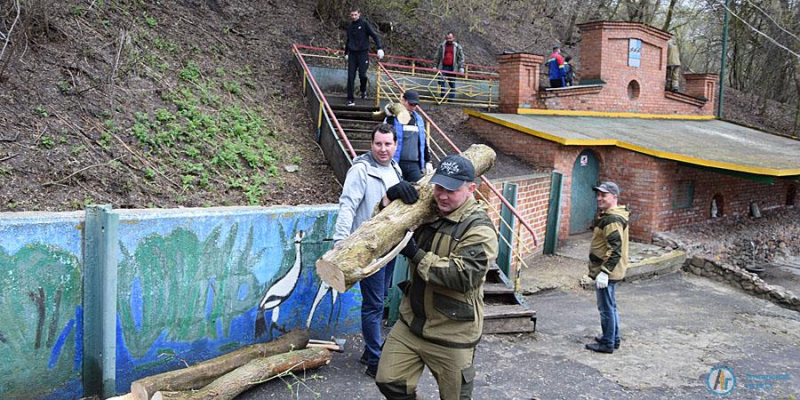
column 506, row 311
column 508, row 325
column 496, row 288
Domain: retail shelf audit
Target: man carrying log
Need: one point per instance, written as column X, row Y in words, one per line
column 373, row 177
column 441, row 313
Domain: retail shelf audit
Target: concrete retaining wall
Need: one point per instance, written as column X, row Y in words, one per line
column 739, row 278
column 189, row 286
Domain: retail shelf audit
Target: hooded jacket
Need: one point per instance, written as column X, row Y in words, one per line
column 363, row 189
column 609, row 248
column 443, row 298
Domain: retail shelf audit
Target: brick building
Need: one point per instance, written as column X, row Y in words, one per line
column 675, row 162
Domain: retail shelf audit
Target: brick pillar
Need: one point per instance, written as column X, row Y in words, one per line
column 519, row 80
column 703, row 85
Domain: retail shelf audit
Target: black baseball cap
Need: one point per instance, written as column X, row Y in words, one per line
column 607, row 187
column 453, row 172
column 411, row 97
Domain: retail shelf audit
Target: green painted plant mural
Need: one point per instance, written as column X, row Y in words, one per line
column 40, row 288
column 184, row 287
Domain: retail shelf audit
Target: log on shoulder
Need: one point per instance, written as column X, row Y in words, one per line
column 352, row 259
column 199, row 375
column 257, row 371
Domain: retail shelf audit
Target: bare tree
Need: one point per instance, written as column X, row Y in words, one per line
column 6, row 36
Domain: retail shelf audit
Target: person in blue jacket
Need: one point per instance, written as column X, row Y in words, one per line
column 555, row 65
column 412, row 153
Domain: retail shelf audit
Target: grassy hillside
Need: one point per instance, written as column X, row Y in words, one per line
column 142, row 105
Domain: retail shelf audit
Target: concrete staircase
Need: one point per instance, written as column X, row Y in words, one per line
column 356, row 120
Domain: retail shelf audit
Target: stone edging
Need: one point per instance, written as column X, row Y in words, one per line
column 740, row 278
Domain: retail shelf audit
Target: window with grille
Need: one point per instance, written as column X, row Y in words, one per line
column 683, row 195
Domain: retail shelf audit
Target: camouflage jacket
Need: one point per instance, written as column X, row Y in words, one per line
column 609, row 248
column 443, row 299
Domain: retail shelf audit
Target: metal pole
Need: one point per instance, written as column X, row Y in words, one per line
column 724, row 57
column 100, row 301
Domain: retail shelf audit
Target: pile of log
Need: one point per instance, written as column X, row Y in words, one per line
column 227, row 376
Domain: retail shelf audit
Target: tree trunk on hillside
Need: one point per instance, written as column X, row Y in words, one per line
column 668, row 19
column 354, row 258
column 199, row 375
column 257, row 371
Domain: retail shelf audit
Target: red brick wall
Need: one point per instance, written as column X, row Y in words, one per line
column 737, row 194
column 533, row 196
column 604, row 55
column 647, row 183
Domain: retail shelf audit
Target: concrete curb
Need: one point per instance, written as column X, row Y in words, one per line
column 661, row 265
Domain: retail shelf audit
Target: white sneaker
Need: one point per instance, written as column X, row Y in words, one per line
column 350, row 103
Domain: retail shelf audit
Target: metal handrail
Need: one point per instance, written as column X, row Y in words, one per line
column 411, row 59
column 324, row 102
column 492, row 77
column 453, row 145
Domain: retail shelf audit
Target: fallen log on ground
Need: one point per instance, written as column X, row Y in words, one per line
column 199, row 375
column 360, row 254
column 257, row 371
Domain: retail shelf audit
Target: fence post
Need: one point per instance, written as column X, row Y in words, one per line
column 100, row 301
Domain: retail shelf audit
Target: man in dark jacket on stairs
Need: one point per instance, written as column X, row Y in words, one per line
column 356, row 53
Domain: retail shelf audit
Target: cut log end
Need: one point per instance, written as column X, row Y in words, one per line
column 331, row 275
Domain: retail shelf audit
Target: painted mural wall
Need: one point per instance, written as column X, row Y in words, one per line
column 192, row 284
column 40, row 305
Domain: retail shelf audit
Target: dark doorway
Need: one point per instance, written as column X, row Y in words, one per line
column 717, row 206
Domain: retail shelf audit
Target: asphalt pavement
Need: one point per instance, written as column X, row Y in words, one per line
column 675, row 330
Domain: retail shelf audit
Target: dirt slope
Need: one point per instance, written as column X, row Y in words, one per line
column 189, row 104
column 197, row 102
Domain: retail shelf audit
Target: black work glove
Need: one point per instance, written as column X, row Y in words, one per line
column 403, row 191
column 410, row 250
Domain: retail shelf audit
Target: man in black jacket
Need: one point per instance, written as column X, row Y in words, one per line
column 356, row 53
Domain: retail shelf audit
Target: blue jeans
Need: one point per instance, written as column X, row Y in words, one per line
column 449, row 77
column 609, row 316
column 373, row 292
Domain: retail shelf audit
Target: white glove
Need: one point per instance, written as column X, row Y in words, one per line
column 428, row 168
column 380, row 53
column 461, row 70
column 602, row 280
column 346, row 57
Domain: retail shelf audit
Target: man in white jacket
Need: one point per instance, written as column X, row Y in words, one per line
column 374, row 176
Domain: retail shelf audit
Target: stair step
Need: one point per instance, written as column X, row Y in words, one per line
column 357, row 107
column 348, row 124
column 492, row 288
column 355, row 115
column 508, row 318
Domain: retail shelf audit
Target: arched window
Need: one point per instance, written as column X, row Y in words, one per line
column 633, row 90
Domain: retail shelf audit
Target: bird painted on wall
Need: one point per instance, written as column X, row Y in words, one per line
column 279, row 292
column 324, row 288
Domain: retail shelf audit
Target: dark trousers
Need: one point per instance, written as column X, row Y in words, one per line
column 357, row 61
column 448, row 76
column 411, row 171
column 556, row 83
column 373, row 292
